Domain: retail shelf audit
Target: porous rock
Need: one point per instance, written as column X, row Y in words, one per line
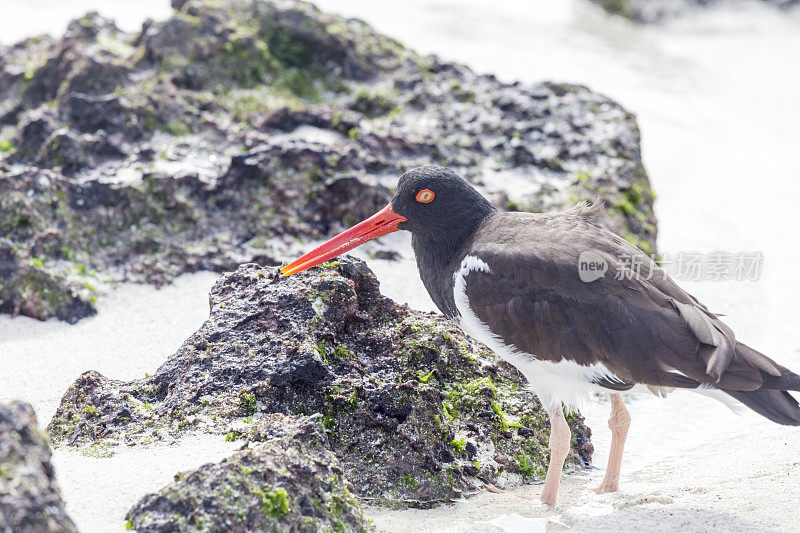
column 288, row 481
column 30, row 500
column 233, row 129
column 415, row 411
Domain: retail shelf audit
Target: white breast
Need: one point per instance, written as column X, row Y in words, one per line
column 564, row 382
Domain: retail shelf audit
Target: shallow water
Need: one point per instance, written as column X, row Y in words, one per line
column 21, row 19
column 717, row 106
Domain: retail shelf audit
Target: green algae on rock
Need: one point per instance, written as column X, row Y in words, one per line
column 416, row 412
column 30, row 500
column 287, row 482
column 30, row 287
column 230, row 130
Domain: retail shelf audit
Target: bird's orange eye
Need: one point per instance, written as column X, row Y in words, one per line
column 425, row 196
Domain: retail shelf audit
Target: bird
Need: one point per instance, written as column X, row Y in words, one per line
column 553, row 295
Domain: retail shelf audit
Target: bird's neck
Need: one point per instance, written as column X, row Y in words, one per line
column 438, row 256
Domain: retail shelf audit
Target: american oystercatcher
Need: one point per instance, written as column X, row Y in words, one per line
column 549, row 293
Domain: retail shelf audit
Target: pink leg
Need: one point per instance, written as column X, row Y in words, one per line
column 618, row 422
column 559, row 448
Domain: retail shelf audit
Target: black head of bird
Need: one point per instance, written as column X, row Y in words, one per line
column 435, row 204
column 438, row 204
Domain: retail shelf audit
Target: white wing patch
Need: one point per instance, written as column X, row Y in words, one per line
column 564, row 382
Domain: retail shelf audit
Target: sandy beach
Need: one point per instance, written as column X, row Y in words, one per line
column 691, row 463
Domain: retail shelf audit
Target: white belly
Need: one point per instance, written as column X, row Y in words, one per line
column 564, row 382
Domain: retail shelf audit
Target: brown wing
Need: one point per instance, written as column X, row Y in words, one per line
column 643, row 328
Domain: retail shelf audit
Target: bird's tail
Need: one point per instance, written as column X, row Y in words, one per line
column 771, row 399
column 776, row 377
column 777, row 405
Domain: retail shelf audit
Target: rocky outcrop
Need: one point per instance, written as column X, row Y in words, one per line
column 287, row 482
column 230, row 130
column 414, row 410
column 30, row 501
column 27, row 287
column 653, row 11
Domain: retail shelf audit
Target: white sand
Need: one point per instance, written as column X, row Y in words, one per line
column 136, row 329
column 716, row 100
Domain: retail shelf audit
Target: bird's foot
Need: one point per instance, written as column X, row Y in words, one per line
column 550, row 502
column 607, row 486
column 548, row 497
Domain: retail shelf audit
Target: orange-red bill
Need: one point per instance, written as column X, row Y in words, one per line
column 383, row 222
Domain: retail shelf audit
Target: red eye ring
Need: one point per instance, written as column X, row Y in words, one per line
column 425, row 196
